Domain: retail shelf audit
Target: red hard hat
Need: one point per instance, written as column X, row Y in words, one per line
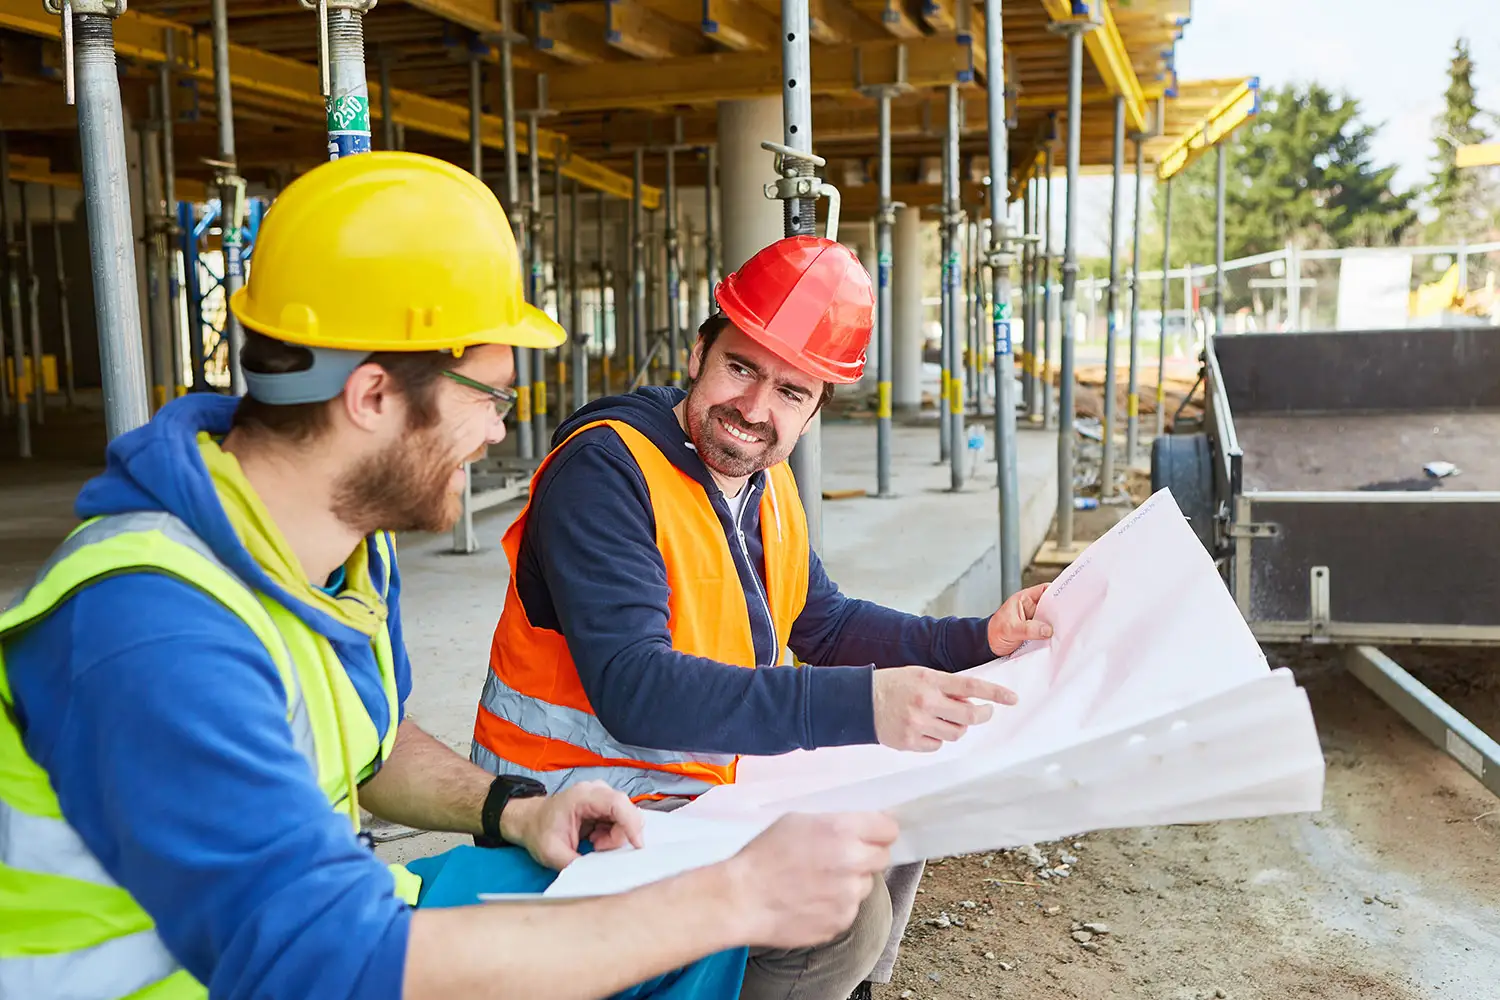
column 808, row 300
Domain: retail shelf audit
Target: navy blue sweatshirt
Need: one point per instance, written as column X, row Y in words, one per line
column 589, row 568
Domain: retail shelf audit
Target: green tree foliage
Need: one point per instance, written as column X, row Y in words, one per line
column 1301, row 170
column 1462, row 198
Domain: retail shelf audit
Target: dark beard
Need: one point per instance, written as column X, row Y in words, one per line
column 727, row 459
column 404, row 489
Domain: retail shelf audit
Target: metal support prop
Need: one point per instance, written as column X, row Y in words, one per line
column 575, row 310
column 638, row 331
column 1166, row 295
column 559, row 281
column 953, row 216
column 1001, row 259
column 674, row 289
column 1133, row 387
column 168, row 227
column 1111, row 418
column 159, row 360
column 653, row 287
column 464, row 540
column 605, row 349
column 387, row 114
column 1219, row 283
column 1048, row 415
column 192, row 293
column 1028, row 320
column 232, row 188
column 710, row 233
column 690, row 281
column 64, row 318
column 13, row 299
column 89, row 49
column 534, row 290
column 884, row 221
column 1065, row 415
column 970, row 318
column 518, row 222
column 799, row 217
column 34, row 308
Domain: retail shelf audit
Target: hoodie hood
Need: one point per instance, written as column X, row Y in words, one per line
column 173, row 464
column 649, row 410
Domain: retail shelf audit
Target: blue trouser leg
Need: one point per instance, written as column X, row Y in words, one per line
column 459, row 876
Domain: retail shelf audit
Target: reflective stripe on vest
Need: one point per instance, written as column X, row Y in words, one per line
column 71, row 933
column 534, row 717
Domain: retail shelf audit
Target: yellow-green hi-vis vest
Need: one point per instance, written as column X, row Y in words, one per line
column 66, row 928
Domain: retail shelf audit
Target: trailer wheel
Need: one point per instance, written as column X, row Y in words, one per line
column 1183, row 464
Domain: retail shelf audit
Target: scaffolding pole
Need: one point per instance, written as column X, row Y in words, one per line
column 534, row 291
column 604, row 347
column 636, row 356
column 1219, row 284
column 464, row 539
column 1001, row 259
column 710, row 233
column 168, row 227
column 89, row 51
column 1048, row 410
column 1028, row 321
column 1065, row 444
column 953, row 216
column 1111, row 418
column 1133, row 387
column 13, row 300
column 575, row 310
column 64, row 319
column 518, row 221
column 674, row 291
column 1166, row 295
column 564, row 351
column 799, row 220
column 884, row 222
column 159, row 361
column 34, row 308
column 232, row 188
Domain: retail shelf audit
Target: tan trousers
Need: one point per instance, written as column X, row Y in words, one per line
column 829, row 971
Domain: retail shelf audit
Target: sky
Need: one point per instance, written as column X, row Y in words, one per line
column 1392, row 55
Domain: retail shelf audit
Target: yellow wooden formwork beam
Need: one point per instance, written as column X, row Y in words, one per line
column 890, row 15
column 635, row 29
column 138, row 36
column 728, row 76
column 38, row 170
column 833, row 22
column 1479, row 155
column 482, row 16
column 1107, row 50
column 1240, row 104
column 737, row 25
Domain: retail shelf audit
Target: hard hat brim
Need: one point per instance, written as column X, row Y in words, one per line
column 534, row 330
column 747, row 323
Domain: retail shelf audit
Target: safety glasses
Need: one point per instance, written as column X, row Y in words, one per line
column 504, row 398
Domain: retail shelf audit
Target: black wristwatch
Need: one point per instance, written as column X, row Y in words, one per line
column 502, row 790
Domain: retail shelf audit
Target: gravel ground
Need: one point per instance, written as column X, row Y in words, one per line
column 1391, row 892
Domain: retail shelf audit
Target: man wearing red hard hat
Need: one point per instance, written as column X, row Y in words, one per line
column 662, row 569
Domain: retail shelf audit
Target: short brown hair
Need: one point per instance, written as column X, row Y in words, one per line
column 717, row 324
column 415, row 374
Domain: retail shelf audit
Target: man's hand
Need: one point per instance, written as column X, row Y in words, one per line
column 550, row 828
column 918, row 709
column 800, row 883
column 1015, row 622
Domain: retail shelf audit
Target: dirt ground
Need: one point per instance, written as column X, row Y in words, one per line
column 1391, row 892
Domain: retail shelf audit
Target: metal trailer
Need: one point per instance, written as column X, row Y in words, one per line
column 1308, row 483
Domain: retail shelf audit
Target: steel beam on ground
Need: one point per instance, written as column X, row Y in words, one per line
column 1133, row 386
column 1001, row 259
column 1107, row 466
column 232, row 188
column 17, row 358
column 1429, row 714
column 797, row 122
column 953, row 215
column 1166, row 295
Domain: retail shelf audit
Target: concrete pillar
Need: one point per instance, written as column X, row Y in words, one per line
column 750, row 219
column 906, row 308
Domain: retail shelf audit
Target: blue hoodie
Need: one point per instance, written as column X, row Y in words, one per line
column 160, row 720
column 589, row 568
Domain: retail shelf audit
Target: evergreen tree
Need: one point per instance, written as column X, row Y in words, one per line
column 1460, row 196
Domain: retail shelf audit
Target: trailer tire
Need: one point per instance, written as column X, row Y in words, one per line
column 1183, row 464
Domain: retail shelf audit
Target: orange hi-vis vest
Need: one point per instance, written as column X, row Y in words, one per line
column 534, row 718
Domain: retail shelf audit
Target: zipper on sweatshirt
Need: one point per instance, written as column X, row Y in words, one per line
column 765, row 603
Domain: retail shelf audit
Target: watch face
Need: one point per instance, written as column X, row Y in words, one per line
column 523, row 788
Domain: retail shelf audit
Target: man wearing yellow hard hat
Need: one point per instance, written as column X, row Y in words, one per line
column 206, row 683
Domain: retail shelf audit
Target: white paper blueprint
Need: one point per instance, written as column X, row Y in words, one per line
column 1151, row 704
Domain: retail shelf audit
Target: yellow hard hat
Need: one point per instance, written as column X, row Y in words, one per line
column 388, row 251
